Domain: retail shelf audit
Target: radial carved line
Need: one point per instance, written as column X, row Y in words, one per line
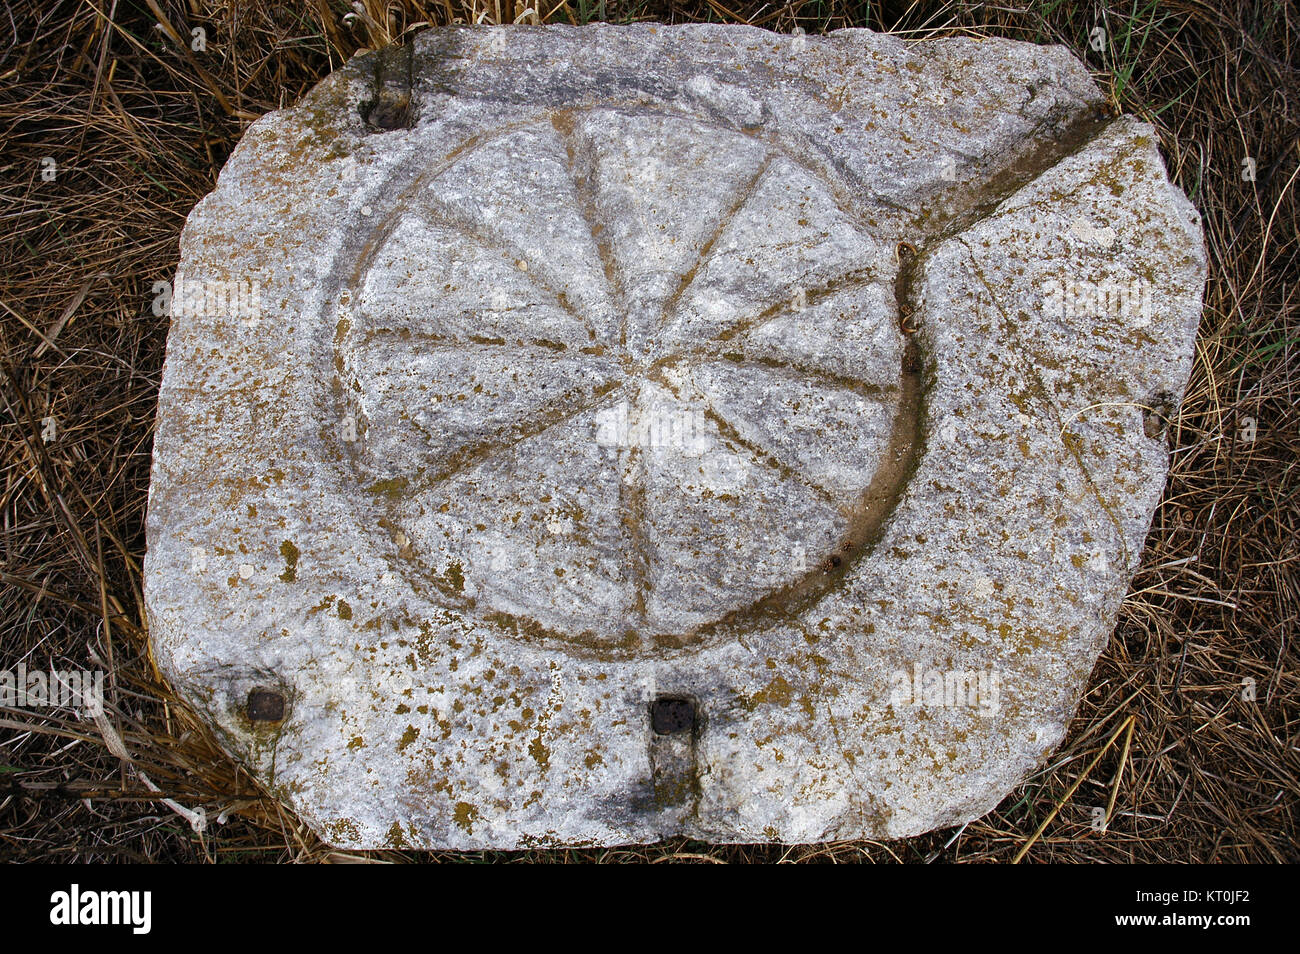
column 779, row 309
column 431, row 341
column 812, row 296
column 565, row 124
column 830, row 173
column 743, row 194
column 411, row 196
column 731, row 434
column 634, row 521
column 484, row 450
column 790, row 371
column 452, row 223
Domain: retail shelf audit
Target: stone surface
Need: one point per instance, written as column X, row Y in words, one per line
column 624, row 432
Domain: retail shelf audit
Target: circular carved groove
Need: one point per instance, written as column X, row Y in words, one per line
column 630, row 398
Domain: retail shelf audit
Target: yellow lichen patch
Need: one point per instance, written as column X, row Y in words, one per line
column 396, row 838
column 777, row 692
column 466, row 814
column 409, row 736
column 341, row 830
column 291, row 555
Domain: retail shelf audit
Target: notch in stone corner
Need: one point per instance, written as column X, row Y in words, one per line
column 391, row 106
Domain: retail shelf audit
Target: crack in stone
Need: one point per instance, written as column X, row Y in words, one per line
column 1085, row 129
column 1044, row 394
column 1023, row 171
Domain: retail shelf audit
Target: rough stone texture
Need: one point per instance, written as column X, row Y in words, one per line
column 598, row 399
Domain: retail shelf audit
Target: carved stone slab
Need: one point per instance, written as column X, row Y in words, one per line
column 589, row 436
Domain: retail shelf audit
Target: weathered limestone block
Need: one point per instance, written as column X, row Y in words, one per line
column 629, row 432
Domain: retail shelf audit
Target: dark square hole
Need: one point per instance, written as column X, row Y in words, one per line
column 672, row 716
column 265, row 705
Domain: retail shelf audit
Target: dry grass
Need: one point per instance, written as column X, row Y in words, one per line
column 139, row 125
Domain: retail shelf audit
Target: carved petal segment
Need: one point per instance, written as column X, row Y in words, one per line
column 537, row 531
column 661, row 188
column 517, row 192
column 707, row 496
column 788, row 238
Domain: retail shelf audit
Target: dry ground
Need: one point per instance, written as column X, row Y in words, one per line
column 139, row 125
